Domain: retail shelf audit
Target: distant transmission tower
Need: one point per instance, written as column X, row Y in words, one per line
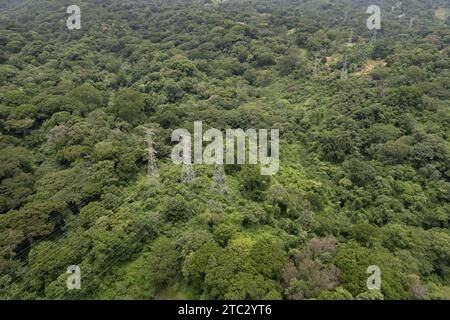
column 316, row 66
column 220, row 179
column 374, row 37
column 217, row 2
column 187, row 171
column 344, row 71
column 152, row 170
column 345, row 16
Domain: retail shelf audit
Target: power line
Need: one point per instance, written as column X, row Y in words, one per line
column 23, row 251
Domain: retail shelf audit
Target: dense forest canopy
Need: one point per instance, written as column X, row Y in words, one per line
column 364, row 175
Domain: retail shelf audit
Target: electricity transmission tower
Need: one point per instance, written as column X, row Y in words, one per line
column 152, row 170
column 374, row 37
column 316, row 66
column 187, row 172
column 220, row 179
column 344, row 71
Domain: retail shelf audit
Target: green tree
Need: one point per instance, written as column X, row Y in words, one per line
column 128, row 105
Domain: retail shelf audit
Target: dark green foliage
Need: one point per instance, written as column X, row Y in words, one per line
column 252, row 183
column 128, row 105
column 364, row 163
